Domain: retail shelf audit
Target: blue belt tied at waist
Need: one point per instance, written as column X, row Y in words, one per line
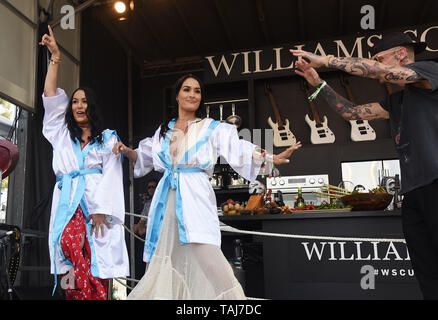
column 65, row 211
column 170, row 179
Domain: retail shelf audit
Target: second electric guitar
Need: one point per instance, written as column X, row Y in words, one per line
column 360, row 129
column 283, row 137
column 319, row 130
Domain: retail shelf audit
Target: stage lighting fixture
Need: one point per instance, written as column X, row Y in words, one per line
column 120, row 7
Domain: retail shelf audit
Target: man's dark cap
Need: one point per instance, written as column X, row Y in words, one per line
column 395, row 39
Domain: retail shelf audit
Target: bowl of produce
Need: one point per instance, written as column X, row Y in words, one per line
column 376, row 199
column 231, row 208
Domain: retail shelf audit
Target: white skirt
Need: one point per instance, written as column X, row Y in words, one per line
column 186, row 272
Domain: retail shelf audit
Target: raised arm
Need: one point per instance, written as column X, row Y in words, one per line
column 51, row 82
column 362, row 67
column 347, row 109
column 244, row 157
column 372, row 69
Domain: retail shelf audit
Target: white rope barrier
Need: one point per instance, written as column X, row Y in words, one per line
column 136, row 236
column 227, row 228
column 297, row 236
column 128, row 279
column 136, row 215
column 130, row 288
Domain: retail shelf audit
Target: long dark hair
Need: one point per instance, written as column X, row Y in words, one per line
column 92, row 114
column 200, row 112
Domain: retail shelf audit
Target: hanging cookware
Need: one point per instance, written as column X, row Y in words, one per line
column 207, row 109
column 236, row 181
column 221, row 108
column 219, row 180
column 213, row 180
column 234, row 119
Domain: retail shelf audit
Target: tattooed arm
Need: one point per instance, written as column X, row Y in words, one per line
column 375, row 70
column 347, row 109
column 350, row 111
column 362, row 67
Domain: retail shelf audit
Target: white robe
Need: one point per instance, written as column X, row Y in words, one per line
column 199, row 208
column 103, row 193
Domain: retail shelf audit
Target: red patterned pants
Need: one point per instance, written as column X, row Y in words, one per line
column 76, row 249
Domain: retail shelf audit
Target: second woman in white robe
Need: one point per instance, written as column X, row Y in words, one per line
column 183, row 236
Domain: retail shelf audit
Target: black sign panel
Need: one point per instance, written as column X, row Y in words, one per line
column 277, row 61
column 371, row 266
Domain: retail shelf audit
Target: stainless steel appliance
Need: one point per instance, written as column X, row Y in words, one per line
column 236, row 181
column 370, row 174
column 288, row 185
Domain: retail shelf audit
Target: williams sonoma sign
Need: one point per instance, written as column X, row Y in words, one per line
column 278, row 61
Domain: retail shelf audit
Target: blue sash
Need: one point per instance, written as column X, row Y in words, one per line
column 65, row 210
column 170, row 179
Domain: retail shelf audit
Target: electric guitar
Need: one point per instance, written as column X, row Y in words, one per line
column 283, row 137
column 360, row 129
column 319, row 130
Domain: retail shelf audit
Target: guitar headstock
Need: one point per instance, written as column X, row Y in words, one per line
column 267, row 87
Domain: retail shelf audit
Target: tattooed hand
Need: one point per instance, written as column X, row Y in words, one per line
column 304, row 69
column 347, row 109
column 315, row 61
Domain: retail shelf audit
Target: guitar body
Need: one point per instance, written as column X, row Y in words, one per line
column 361, row 131
column 282, row 137
column 321, row 133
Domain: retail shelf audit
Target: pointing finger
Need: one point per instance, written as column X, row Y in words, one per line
column 50, row 30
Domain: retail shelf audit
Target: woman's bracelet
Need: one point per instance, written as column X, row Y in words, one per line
column 54, row 60
column 267, row 157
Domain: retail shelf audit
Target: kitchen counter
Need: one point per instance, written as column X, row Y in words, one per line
column 254, row 222
column 295, row 268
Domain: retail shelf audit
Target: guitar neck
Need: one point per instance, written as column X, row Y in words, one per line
column 312, row 107
column 276, row 112
column 349, row 93
column 315, row 112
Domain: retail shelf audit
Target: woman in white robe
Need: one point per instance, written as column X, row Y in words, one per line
column 88, row 196
column 183, row 236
